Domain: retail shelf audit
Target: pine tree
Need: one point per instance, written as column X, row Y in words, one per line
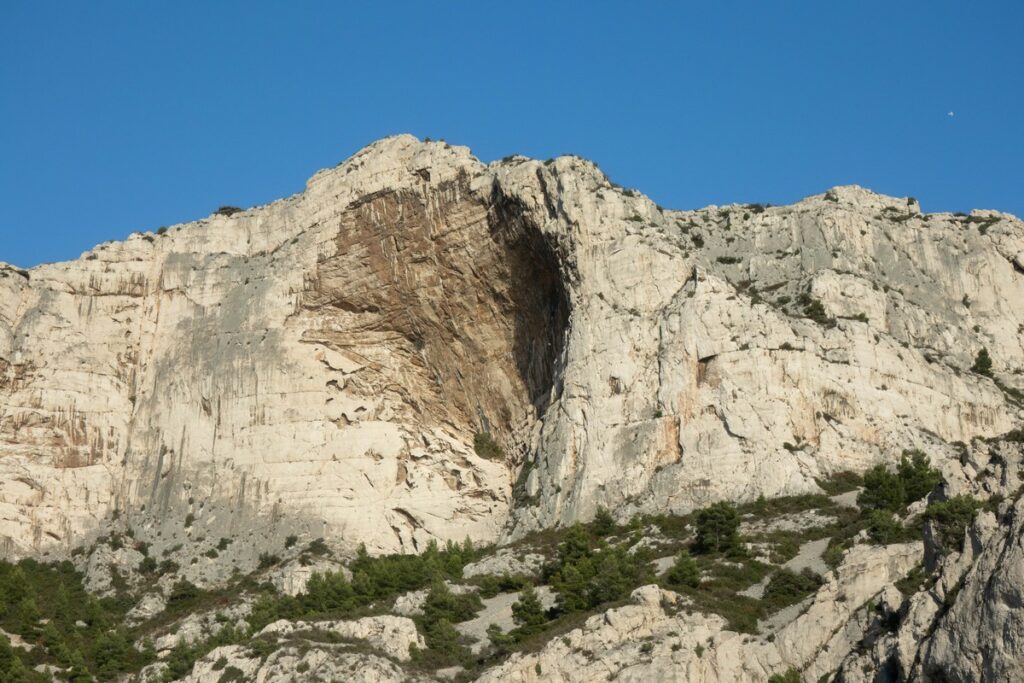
column 54, row 642
column 982, row 363
column 917, row 475
column 26, row 615
column 717, row 528
column 501, row 642
column 572, row 584
column 528, row 613
column 79, row 673
column 603, row 523
column 883, row 490
column 611, row 576
column 684, row 572
column 577, row 545
column 883, row 528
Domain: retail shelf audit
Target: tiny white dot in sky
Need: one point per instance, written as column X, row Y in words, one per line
column 950, row 114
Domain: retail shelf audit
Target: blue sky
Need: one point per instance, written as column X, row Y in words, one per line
column 124, row 116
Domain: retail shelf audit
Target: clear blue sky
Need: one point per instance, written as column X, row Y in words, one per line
column 124, row 116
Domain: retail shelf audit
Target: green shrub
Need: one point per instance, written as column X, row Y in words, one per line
column 441, row 603
column 833, row 554
column 489, row 585
column 913, row 479
column 227, row 211
column 329, row 592
column 501, row 642
column 183, row 594
column 786, row 587
column 377, row 579
column 717, row 528
column 982, row 363
column 444, row 646
column 603, row 524
column 318, row 547
column 912, row 582
column 290, row 541
column 950, row 518
column 267, row 560
column 883, row 528
column 883, row 490
column 233, row 674
column 917, row 475
column 12, row 668
column 45, row 603
column 684, row 572
column 262, row 647
column 791, row 675
column 528, row 614
column 814, row 310
column 486, row 447
column 785, row 549
column 588, row 572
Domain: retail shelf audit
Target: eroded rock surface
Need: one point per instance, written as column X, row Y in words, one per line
column 320, row 364
column 242, row 394
column 981, row 637
column 658, row 639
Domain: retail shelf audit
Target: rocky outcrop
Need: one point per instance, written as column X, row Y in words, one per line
column 981, row 636
column 942, row 630
column 506, row 561
column 322, row 662
column 393, row 636
column 657, row 638
column 318, row 367
column 200, row 626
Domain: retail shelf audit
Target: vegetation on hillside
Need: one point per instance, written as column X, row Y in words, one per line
column 591, row 567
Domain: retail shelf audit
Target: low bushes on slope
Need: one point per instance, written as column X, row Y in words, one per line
column 47, row 605
column 589, row 572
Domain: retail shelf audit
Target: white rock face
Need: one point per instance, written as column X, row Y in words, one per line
column 411, row 603
column 688, row 367
column 293, row 665
column 981, row 638
column 389, row 634
column 199, row 626
column 318, row 366
column 292, row 577
column 505, row 561
column 150, row 605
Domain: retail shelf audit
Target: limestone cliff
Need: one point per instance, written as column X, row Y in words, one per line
column 319, row 365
